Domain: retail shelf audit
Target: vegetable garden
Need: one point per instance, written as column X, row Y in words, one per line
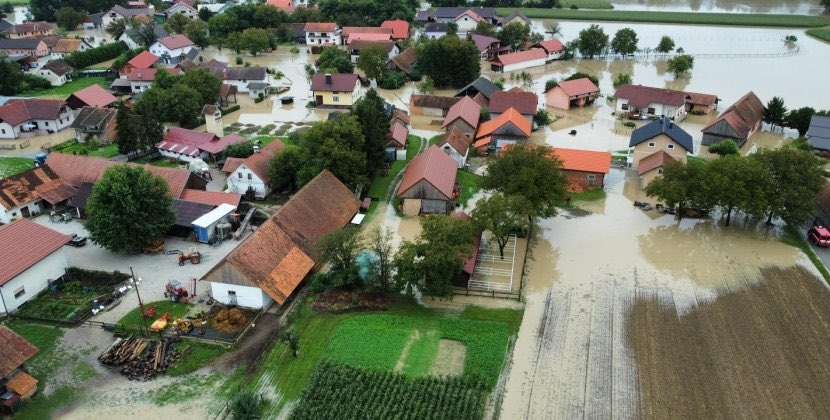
column 346, row 392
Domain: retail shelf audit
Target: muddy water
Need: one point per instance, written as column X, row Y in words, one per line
column 583, row 275
column 800, row 7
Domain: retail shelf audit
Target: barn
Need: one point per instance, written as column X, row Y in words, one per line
column 428, row 186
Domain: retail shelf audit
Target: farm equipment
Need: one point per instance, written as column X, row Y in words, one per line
column 161, row 323
column 176, row 292
column 150, row 313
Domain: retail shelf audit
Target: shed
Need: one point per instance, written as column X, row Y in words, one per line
column 739, row 122
column 568, row 93
column 430, row 179
column 818, row 134
column 205, row 226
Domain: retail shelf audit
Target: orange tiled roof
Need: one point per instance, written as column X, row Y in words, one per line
column 583, row 160
column 510, row 116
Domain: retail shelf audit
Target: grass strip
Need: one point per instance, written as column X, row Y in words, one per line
column 793, row 237
column 820, row 33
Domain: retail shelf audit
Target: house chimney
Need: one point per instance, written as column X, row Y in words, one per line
column 328, row 78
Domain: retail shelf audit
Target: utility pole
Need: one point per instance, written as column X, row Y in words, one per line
column 140, row 303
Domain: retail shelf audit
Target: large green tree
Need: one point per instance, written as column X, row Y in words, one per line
column 197, row 31
column 724, row 148
column 10, row 78
column 681, row 64
column 515, row 34
column 335, row 59
column 775, row 112
column 794, row 179
column 68, row 18
column 449, row 61
column 204, row 82
column 117, row 27
column 666, row 45
column 367, row 12
column 430, row 262
column 255, row 40
column 624, row 42
column 338, row 146
column 372, row 117
column 379, row 242
column 592, row 41
column 735, row 182
column 799, row 119
column 175, row 24
column 339, row 249
column 501, row 215
column 126, row 130
column 682, row 185
column 372, row 61
column 129, row 208
column 47, row 9
column 284, row 168
column 531, row 172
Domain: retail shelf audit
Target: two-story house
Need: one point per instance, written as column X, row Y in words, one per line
column 142, row 79
column 172, row 49
column 23, row 46
column 250, row 175
column 322, row 33
column 335, row 90
column 660, row 135
column 31, row 117
column 120, row 12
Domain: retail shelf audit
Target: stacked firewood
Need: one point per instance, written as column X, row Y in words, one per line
column 142, row 359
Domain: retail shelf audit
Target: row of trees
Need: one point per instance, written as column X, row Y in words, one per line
column 14, row 81
column 777, row 115
column 47, row 9
column 770, row 184
column 81, row 59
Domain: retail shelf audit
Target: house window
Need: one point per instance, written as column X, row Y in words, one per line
column 660, row 171
column 20, row 291
column 250, row 177
column 591, row 179
column 651, row 144
column 670, row 146
column 651, row 110
column 624, row 107
column 335, row 98
column 240, row 174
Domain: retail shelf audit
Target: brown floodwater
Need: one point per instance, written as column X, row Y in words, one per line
column 799, row 7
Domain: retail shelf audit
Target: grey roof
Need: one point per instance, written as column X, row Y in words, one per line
column 662, row 126
column 193, row 54
column 188, row 211
column 123, row 11
column 236, row 73
column 257, row 86
column 4, row 24
column 133, row 33
column 435, row 27
column 97, row 18
column 91, row 118
column 82, row 195
column 482, row 85
column 298, row 29
column 515, row 14
column 19, row 43
column 818, row 135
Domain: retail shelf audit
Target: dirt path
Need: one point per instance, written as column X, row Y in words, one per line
column 405, row 351
column 450, row 359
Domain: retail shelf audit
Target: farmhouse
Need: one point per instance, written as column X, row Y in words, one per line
column 142, row 79
column 739, row 122
column 389, row 47
column 489, row 47
column 29, row 46
column 144, row 60
column 638, row 101
column 428, row 186
column 335, row 90
column 399, row 116
column 173, row 49
column 521, row 60
column 435, row 30
column 480, row 89
column 508, row 128
column 181, row 8
column 57, row 72
column 272, row 263
column 17, row 384
column 28, row 29
column 66, row 46
column 448, row 14
column 404, row 62
column 120, row 12
column 584, row 169
column 98, row 123
column 660, row 135
column 93, row 95
column 431, row 105
column 31, row 117
column 651, row 166
column 396, row 141
column 399, row 27
column 32, row 255
column 463, row 115
column 568, row 93
column 466, row 22
column 322, row 33
column 818, row 135
column 187, row 145
column 552, row 47
column 456, row 143
column 28, row 193
column 701, row 102
column 250, row 175
column 366, row 33
column 524, row 102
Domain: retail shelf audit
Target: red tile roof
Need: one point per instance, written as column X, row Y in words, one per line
column 143, row 60
column 653, row 161
column 320, row 27
column 456, row 139
column 639, row 95
column 433, row 166
column 551, row 45
column 510, row 116
column 397, row 135
column 371, row 37
column 95, row 96
column 286, row 5
column 473, row 15
column 231, row 164
column 173, row 42
column 340, row 82
column 184, row 141
column 219, row 144
column 577, row 87
column 213, row 198
column 524, row 102
column 149, row 75
column 349, row 30
column 33, row 184
column 521, row 56
column 14, row 349
column 742, row 116
column 19, row 111
column 400, row 28
column 583, row 160
column 23, row 244
column 260, row 163
column 701, row 98
column 467, row 109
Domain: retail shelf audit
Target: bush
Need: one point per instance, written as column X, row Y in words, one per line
column 247, row 406
column 630, row 124
column 240, row 150
column 391, row 80
column 230, row 109
column 33, row 82
column 238, row 61
column 82, row 59
column 542, row 117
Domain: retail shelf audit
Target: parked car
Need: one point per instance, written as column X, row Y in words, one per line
column 77, row 241
column 819, row 235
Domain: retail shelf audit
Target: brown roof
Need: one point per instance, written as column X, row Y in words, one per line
column 214, row 198
column 14, row 349
column 433, row 166
column 75, row 169
column 283, row 250
column 701, row 98
column 743, row 115
column 653, row 161
column 639, row 95
column 551, row 45
column 23, row 28
column 320, row 27
column 23, row 244
column 260, row 163
column 397, row 135
column 467, row 109
column 227, row 90
column 348, row 30
column 149, row 75
column 340, row 82
column 66, row 45
column 143, row 60
column 33, row 184
column 521, row 56
column 432, row 101
column 59, row 67
column 94, row 96
column 22, row 384
column 231, row 164
column 524, row 102
column 362, row 44
column 19, row 111
column 456, row 139
column 401, row 115
column 173, row 42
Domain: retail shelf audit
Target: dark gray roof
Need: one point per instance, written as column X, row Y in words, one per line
column 188, row 211
column 4, row 24
column 93, row 118
column 236, row 73
column 298, row 29
column 482, row 85
column 193, row 54
column 662, row 126
column 257, row 86
column 515, row 14
column 19, row 43
column 818, row 135
column 59, row 67
column 435, row 27
column 96, row 18
column 81, row 195
column 133, row 33
column 123, row 11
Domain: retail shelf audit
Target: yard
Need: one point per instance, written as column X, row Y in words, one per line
column 63, row 92
column 470, row 185
column 74, row 147
column 161, row 162
column 14, row 165
column 379, row 189
column 177, row 310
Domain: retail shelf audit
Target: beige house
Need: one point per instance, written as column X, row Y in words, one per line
column 651, row 167
column 335, row 90
column 660, row 135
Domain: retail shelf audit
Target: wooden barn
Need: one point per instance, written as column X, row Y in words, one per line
column 428, row 186
column 739, row 122
column 431, row 105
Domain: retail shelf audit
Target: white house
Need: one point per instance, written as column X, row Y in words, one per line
column 251, row 173
column 183, row 9
column 456, row 144
column 435, row 30
column 57, row 72
column 322, row 33
column 241, row 77
column 521, row 60
column 67, row 46
column 31, row 192
column 120, row 12
column 31, row 117
column 467, row 22
column 32, row 255
column 552, row 47
column 641, row 101
column 132, row 37
column 172, row 49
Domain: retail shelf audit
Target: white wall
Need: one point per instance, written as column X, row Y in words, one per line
column 6, row 215
column 34, row 280
column 7, row 131
column 53, row 78
column 524, row 65
column 238, row 182
column 659, row 109
column 246, row 296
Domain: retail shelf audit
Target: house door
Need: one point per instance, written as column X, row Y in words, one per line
column 232, row 297
column 25, row 212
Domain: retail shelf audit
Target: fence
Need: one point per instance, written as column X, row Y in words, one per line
column 646, row 54
column 491, row 293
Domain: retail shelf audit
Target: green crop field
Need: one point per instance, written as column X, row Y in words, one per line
column 726, row 19
column 820, row 33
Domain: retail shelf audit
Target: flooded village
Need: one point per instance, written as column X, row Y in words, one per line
column 298, row 210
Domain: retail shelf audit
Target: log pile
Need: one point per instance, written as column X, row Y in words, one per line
column 141, row 359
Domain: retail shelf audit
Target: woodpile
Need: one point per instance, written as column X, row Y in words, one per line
column 141, row 359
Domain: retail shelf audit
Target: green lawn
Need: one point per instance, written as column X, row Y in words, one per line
column 17, row 2
column 14, row 165
column 588, row 195
column 75, row 147
column 820, row 33
column 412, row 146
column 177, row 310
column 198, row 355
column 160, row 162
column 587, row 4
column 470, row 184
column 726, row 19
column 63, row 92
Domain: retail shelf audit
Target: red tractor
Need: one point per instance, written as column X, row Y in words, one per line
column 176, row 292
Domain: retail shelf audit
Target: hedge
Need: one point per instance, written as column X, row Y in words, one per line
column 83, row 59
